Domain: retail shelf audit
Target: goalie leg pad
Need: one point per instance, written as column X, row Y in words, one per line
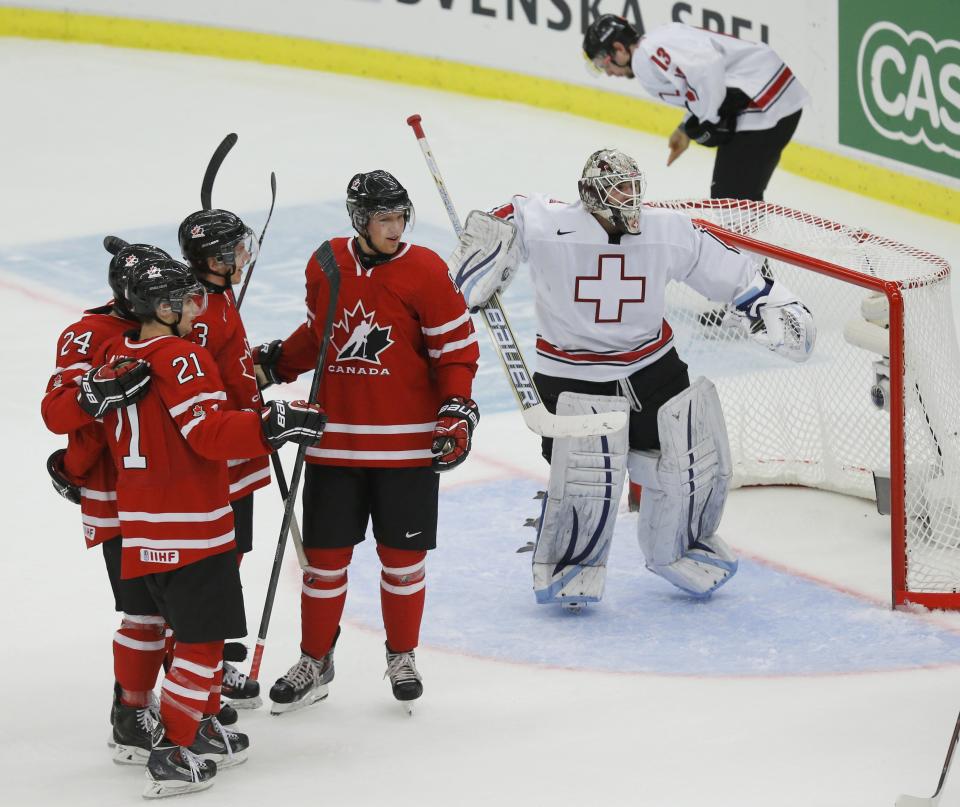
column 580, row 510
column 684, row 491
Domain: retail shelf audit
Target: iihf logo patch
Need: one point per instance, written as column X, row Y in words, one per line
column 197, row 231
column 358, row 336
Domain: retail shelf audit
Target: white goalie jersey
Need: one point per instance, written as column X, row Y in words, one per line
column 600, row 299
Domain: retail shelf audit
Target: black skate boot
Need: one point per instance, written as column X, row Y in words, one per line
column 136, row 730
column 215, row 744
column 305, row 683
column 114, row 705
column 227, row 715
column 173, row 770
column 242, row 692
column 404, row 677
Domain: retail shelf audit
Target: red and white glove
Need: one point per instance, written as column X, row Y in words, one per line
column 456, row 420
column 294, row 421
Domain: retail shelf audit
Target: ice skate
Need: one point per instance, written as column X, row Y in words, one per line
column 136, row 730
column 214, row 743
column 242, row 692
column 173, row 770
column 305, row 683
column 404, row 678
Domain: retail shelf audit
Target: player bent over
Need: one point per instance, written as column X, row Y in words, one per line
column 84, row 474
column 218, row 246
column 170, row 447
column 397, row 385
column 600, row 268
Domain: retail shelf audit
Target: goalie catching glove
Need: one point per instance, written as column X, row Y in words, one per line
column 486, row 259
column 773, row 316
column 456, row 420
column 292, row 421
column 112, row 386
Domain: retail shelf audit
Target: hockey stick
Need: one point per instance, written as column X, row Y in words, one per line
column 263, row 232
column 206, row 188
column 934, row 800
column 535, row 414
column 328, row 264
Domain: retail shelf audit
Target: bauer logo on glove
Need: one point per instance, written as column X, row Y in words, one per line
column 456, row 420
column 292, row 421
column 112, row 386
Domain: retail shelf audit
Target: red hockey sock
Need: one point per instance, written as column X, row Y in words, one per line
column 402, row 593
column 185, row 693
column 138, row 648
column 213, row 702
column 169, row 647
column 323, row 594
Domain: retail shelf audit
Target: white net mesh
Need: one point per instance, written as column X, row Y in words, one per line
column 815, row 424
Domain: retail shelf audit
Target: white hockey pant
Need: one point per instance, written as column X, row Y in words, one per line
column 580, row 510
column 684, row 490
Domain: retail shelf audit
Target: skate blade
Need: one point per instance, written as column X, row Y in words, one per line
column 162, row 790
column 225, row 761
column 110, row 741
column 296, row 706
column 244, row 703
column 407, row 707
column 130, row 755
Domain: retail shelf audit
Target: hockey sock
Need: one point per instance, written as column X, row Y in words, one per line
column 185, row 693
column 213, row 702
column 402, row 594
column 169, row 647
column 323, row 594
column 138, row 648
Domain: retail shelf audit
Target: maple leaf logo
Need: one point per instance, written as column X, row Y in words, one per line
column 358, row 337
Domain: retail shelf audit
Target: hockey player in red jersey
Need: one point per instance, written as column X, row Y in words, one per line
column 84, row 474
column 397, row 386
column 171, row 447
column 218, row 246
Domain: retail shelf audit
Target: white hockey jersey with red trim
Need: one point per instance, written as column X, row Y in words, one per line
column 402, row 344
column 599, row 299
column 693, row 68
column 220, row 330
column 170, row 449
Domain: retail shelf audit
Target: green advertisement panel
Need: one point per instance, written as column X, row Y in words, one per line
column 900, row 80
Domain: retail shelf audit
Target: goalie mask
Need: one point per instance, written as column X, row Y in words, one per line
column 612, row 188
column 374, row 193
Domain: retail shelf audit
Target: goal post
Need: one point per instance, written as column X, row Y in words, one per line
column 877, row 400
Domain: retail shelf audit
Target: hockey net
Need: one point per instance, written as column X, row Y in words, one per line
column 882, row 309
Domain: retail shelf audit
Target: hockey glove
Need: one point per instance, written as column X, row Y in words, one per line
column 721, row 132
column 265, row 358
column 112, row 386
column 456, row 420
column 294, row 421
column 58, row 477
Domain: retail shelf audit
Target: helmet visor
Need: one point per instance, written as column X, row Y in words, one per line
column 597, row 66
column 191, row 300
column 240, row 252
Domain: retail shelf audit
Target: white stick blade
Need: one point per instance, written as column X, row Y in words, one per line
column 917, row 801
column 541, row 421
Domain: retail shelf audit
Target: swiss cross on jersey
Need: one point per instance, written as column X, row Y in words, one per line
column 358, row 336
column 610, row 288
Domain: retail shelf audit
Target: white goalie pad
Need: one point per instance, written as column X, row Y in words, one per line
column 486, row 258
column 580, row 509
column 788, row 327
column 684, row 491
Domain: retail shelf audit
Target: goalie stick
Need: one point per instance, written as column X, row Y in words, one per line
column 934, row 800
column 535, row 414
column 328, row 265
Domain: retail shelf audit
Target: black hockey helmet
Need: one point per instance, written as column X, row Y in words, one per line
column 376, row 192
column 217, row 234
column 125, row 258
column 603, row 32
column 166, row 283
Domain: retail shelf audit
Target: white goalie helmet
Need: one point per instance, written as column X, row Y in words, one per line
column 612, row 187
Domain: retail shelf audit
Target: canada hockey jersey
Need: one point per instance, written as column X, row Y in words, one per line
column 693, row 68
column 402, row 343
column 87, row 462
column 600, row 300
column 220, row 330
column 170, row 449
